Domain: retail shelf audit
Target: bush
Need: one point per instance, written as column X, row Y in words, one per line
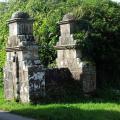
column 99, row 38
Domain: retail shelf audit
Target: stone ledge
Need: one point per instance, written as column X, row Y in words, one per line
column 20, row 20
column 63, row 47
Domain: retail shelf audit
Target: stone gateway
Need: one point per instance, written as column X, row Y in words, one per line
column 25, row 78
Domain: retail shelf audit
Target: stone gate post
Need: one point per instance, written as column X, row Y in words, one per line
column 69, row 55
column 24, row 74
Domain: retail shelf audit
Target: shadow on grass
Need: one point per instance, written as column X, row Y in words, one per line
column 68, row 113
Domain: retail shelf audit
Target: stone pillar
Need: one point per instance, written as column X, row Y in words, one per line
column 69, row 55
column 24, row 74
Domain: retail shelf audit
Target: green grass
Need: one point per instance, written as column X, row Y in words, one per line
column 87, row 110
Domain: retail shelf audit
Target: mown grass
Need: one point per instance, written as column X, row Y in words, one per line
column 84, row 110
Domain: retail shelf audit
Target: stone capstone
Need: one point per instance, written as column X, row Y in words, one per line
column 20, row 14
column 68, row 17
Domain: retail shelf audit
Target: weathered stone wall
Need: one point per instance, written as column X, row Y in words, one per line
column 59, row 83
column 88, row 77
column 70, row 58
column 36, row 83
column 8, row 83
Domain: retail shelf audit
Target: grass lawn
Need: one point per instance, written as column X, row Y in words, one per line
column 88, row 110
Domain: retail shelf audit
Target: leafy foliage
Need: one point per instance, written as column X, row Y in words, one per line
column 46, row 14
column 99, row 39
column 103, row 28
